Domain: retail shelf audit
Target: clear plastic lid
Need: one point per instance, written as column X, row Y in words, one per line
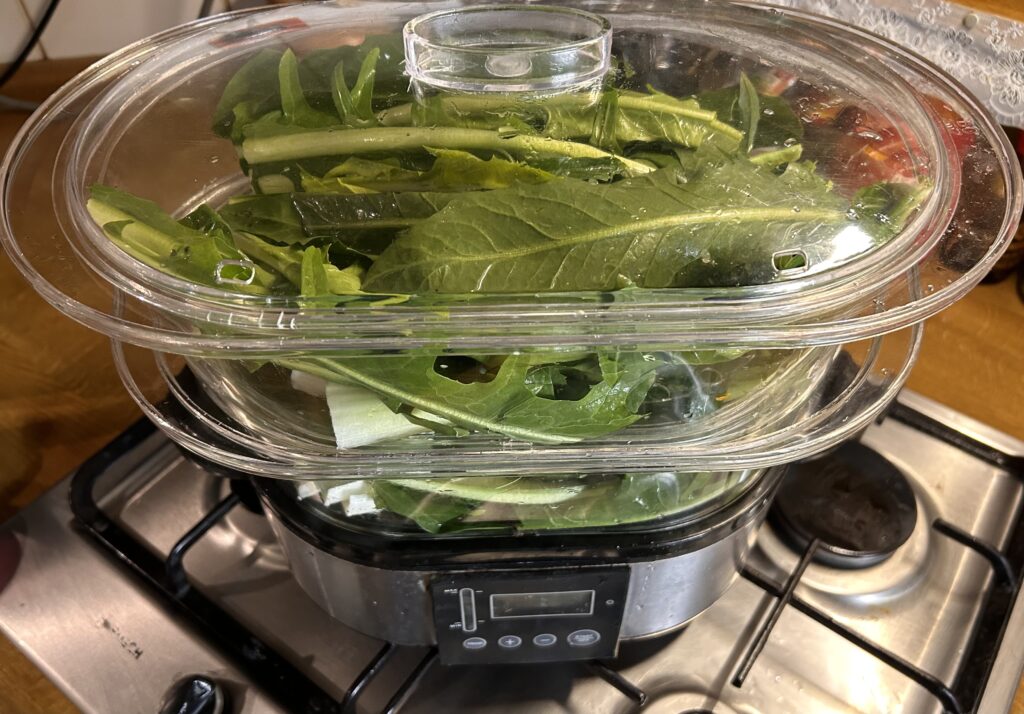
column 365, row 177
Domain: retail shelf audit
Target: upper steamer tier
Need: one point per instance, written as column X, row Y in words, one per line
column 661, row 175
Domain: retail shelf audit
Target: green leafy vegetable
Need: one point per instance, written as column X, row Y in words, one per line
column 146, row 232
column 273, row 217
column 631, row 498
column 355, row 107
column 254, row 92
column 309, row 270
column 504, row 405
column 617, row 118
column 251, row 93
column 655, row 231
column 294, row 107
column 452, row 170
column 362, row 92
column 547, row 503
column 313, row 275
column 498, row 489
column 776, row 124
column 883, row 208
column 283, row 144
column 363, row 223
column 430, row 514
column 750, row 111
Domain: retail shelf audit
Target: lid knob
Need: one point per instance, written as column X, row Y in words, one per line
column 508, row 48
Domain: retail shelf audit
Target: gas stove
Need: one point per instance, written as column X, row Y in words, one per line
column 142, row 571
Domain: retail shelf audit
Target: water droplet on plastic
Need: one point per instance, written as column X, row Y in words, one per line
column 214, row 159
column 796, row 209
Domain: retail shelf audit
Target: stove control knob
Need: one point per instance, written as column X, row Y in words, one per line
column 194, row 694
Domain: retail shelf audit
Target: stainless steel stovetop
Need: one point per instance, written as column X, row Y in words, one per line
column 846, row 641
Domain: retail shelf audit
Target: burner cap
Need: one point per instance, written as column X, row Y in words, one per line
column 858, row 505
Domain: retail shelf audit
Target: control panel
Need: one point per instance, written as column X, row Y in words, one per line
column 495, row 617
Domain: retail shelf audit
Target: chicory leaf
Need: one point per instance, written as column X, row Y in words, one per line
column 204, row 255
column 355, row 107
column 283, row 143
column 312, row 276
column 505, row 404
column 750, row 111
column 625, row 117
column 883, row 208
column 630, row 498
column 363, row 223
column 658, row 231
column 391, row 84
column 252, row 92
column 430, row 512
column 300, row 266
column 270, row 216
column 777, row 123
column 338, row 215
column 295, row 110
column 343, row 102
column 362, row 91
column 452, row 171
column 498, row 489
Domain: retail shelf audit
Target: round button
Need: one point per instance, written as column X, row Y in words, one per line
column 474, row 643
column 545, row 639
column 583, row 638
column 509, row 642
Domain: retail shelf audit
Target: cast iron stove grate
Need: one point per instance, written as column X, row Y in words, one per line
column 296, row 692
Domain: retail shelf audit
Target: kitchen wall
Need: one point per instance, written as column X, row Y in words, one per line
column 82, row 28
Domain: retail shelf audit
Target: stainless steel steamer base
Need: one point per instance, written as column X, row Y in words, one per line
column 663, row 594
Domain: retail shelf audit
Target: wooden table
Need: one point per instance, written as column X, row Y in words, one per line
column 60, row 399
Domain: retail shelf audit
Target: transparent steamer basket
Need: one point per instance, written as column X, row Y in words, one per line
column 863, row 379
column 746, row 392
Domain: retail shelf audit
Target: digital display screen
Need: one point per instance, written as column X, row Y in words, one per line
column 570, row 602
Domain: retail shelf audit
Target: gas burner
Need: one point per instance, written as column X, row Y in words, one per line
column 856, row 503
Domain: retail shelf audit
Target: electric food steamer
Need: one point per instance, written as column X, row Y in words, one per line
column 526, row 533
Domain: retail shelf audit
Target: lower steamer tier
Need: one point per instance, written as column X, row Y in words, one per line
column 520, row 598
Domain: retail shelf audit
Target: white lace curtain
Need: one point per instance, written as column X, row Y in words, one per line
column 984, row 52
